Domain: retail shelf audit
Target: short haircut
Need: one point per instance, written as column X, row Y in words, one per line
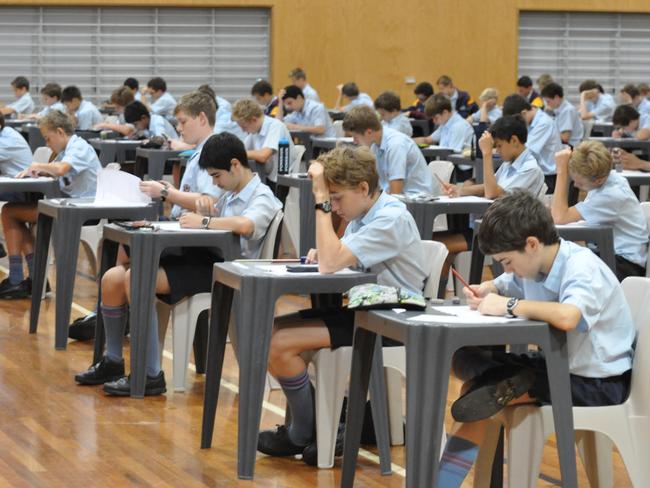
column 55, row 120
column 20, row 82
column 508, row 126
column 436, row 104
column 444, row 80
column 261, row 88
column 424, row 88
column 350, row 89
column 488, row 93
column 52, row 90
column 591, row 159
column 2, row 121
column 207, row 89
column 543, row 80
column 631, row 90
column 644, row 88
column 134, row 111
column 220, row 149
column 515, row 104
column 71, row 92
column 246, row 110
column 553, row 90
column 132, row 83
column 361, row 118
column 624, row 114
column 525, row 82
column 298, row 73
column 194, row 103
column 157, row 84
column 388, row 101
column 512, row 219
column 588, row 85
column 122, row 96
column 292, row 91
column 348, row 166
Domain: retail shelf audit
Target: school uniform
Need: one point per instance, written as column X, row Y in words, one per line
column 164, row 105
column 456, row 133
column 523, row 173
column 81, row 180
column 15, row 154
column 602, row 108
column 137, row 96
column 310, row 93
column 400, row 123
column 493, row 115
column 269, row 136
column 544, row 141
column 644, row 121
column 615, row 204
column 361, row 99
column 462, row 103
column 312, row 114
column 567, row 119
column 416, row 110
column 535, row 100
column 158, row 126
column 87, row 116
column 271, row 108
column 644, row 106
column 224, row 122
column 399, row 158
column 55, row 106
column 24, row 105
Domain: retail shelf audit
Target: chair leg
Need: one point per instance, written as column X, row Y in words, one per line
column 595, row 450
column 162, row 311
column 484, row 461
column 525, row 445
column 181, row 325
column 395, row 417
column 200, row 342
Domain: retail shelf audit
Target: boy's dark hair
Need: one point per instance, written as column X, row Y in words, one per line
column 508, row 126
column 157, row 84
column 525, row 82
column 52, row 90
column 631, row 90
column 624, row 114
column 20, row 82
column 588, row 85
column 69, row 93
column 511, row 219
column 134, row 112
column 388, row 101
column 445, row 80
column 552, row 90
column 424, row 88
column 436, row 104
column 298, row 73
column 350, row 89
column 132, row 83
column 261, row 88
column 220, row 149
column 2, row 121
column 207, row 89
column 515, row 104
column 292, row 91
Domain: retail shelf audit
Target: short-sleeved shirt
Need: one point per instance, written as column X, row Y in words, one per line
column 164, row 105
column 400, row 123
column 601, row 345
column 399, row 158
column 310, row 93
column 137, row 96
column 269, row 136
column 196, row 180
column 644, row 106
column 24, row 105
column 255, row 202
column 312, row 114
column 644, row 121
column 567, row 119
column 615, row 204
column 158, row 125
column 493, row 115
column 15, row 154
column 523, row 173
column 87, row 116
column 81, row 180
column 544, row 141
column 55, row 106
column 386, row 241
column 603, row 108
column 456, row 133
column 361, row 99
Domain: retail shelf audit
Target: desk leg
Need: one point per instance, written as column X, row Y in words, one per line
column 606, row 248
column 109, row 256
column 43, row 233
column 67, row 234
column 476, row 266
column 379, row 406
column 307, row 221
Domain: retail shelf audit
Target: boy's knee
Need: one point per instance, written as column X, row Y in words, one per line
column 113, row 279
column 279, row 346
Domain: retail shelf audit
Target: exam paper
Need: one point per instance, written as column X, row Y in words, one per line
column 466, row 199
column 460, row 315
column 281, row 269
column 116, row 188
column 10, row 179
column 175, row 226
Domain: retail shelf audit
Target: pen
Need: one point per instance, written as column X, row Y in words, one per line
column 465, row 284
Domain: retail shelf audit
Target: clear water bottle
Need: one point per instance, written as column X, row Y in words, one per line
column 616, row 159
column 284, row 157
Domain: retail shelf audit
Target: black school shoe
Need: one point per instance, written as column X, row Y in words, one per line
column 122, row 387
column 15, row 292
column 310, row 453
column 83, row 329
column 102, row 372
column 3, row 251
column 491, row 392
column 276, row 442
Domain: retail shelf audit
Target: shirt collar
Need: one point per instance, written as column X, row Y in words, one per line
column 519, row 161
column 247, row 192
column 381, row 202
column 265, row 126
column 538, row 115
column 552, row 280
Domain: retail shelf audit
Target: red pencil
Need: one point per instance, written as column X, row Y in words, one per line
column 465, row 284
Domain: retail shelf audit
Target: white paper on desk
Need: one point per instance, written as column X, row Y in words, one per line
column 10, row 179
column 466, row 199
column 281, row 269
column 579, row 223
column 116, row 188
column 460, row 315
column 433, row 146
column 175, row 226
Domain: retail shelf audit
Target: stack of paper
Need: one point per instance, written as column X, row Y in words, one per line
column 117, row 189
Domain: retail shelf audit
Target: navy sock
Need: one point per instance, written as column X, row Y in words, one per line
column 16, row 269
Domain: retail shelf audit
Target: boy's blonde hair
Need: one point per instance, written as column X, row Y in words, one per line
column 488, row 93
column 246, row 110
column 591, row 159
column 195, row 102
column 348, row 166
column 361, row 118
column 54, row 120
column 122, row 96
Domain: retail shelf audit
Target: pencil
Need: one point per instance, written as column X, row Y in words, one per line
column 465, row 284
column 444, row 185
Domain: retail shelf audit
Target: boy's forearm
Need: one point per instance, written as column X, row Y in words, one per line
column 560, row 315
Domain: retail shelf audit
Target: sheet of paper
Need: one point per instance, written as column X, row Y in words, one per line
column 460, row 315
column 281, row 269
column 629, row 172
column 9, row 179
column 174, row 226
column 467, row 199
column 118, row 189
column 433, row 146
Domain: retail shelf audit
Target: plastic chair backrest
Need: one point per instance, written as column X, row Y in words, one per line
column 435, row 254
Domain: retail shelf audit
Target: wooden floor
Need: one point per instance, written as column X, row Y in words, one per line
column 54, row 433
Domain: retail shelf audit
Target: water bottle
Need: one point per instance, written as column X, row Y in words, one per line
column 284, row 161
column 616, row 159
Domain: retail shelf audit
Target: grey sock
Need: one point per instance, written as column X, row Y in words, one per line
column 300, row 399
column 114, row 325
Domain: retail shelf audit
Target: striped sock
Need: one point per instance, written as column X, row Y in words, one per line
column 16, row 269
column 300, row 398
column 457, row 460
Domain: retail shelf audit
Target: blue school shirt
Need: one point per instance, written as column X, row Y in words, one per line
column 361, row 99
column 603, row 108
column 400, row 123
column 87, row 116
column 81, row 180
column 523, row 173
column 567, row 119
column 312, row 114
column 269, row 136
column 456, row 133
column 644, row 121
column 24, row 105
column 399, row 158
column 255, row 202
column 544, row 141
column 601, row 345
column 138, row 96
column 616, row 205
column 55, row 106
column 158, row 125
column 15, row 154
column 310, row 93
column 164, row 105
column 493, row 115
column 386, row 241
column 196, row 180
column 644, row 106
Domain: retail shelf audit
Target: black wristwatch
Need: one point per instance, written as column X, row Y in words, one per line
column 164, row 193
column 325, row 207
column 510, row 306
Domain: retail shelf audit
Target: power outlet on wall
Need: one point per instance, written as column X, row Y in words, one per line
column 409, row 80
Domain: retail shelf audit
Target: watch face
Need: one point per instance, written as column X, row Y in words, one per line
column 205, row 221
column 327, row 206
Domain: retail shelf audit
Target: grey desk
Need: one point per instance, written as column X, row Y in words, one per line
column 636, row 178
column 433, row 152
column 429, row 349
column 304, row 138
column 422, row 124
column 16, row 123
column 146, row 247
column 113, row 150
column 49, row 187
column 424, row 213
column 154, row 162
column 254, row 327
column 307, row 213
column 67, row 231
column 625, row 143
column 336, row 114
column 604, row 128
column 329, row 143
column 476, row 163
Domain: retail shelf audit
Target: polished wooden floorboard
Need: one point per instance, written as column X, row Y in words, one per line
column 54, row 433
